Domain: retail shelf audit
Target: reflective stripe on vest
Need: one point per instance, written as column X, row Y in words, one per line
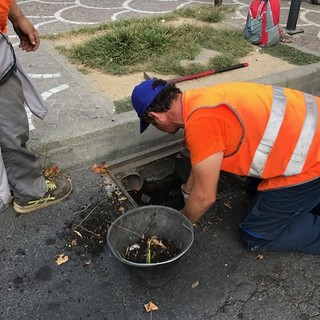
column 307, row 133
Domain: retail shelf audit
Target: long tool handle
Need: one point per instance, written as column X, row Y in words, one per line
column 207, row 73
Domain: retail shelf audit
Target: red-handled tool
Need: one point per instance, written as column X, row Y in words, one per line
column 204, row 73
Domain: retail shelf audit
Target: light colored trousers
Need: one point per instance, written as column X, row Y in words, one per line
column 4, row 186
column 20, row 169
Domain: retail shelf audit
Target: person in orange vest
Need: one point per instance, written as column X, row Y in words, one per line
column 269, row 134
column 21, row 174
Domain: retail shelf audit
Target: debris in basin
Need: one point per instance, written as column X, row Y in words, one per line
column 151, row 250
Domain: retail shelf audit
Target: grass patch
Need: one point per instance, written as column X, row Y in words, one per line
column 150, row 44
column 292, row 55
column 207, row 13
column 200, row 13
column 123, row 105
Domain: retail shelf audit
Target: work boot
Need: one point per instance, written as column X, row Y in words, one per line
column 57, row 189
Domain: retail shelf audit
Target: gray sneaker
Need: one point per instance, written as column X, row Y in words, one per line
column 57, row 189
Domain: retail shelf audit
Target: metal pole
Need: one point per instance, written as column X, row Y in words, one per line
column 293, row 17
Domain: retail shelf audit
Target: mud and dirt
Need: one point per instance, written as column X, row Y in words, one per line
column 85, row 237
column 151, row 250
column 120, row 87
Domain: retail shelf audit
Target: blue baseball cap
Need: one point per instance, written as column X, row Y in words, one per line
column 142, row 97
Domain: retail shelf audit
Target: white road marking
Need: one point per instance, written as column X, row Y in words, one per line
column 45, row 95
column 44, row 75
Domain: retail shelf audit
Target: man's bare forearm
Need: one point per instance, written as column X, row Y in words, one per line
column 28, row 35
column 15, row 13
column 196, row 207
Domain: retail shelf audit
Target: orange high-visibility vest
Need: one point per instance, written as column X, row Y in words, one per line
column 4, row 11
column 280, row 140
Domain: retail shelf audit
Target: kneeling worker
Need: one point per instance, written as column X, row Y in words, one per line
column 264, row 132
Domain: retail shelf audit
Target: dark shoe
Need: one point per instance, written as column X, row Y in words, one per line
column 57, row 189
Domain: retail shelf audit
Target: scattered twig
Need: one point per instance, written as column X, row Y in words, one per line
column 84, row 209
column 145, row 230
column 88, row 215
column 137, row 234
column 89, row 231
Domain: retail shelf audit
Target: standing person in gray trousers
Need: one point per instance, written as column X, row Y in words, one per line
column 21, row 174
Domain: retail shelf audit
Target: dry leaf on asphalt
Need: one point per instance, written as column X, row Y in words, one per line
column 61, row 259
column 49, row 172
column 150, row 306
column 260, row 256
column 195, row 284
column 100, row 169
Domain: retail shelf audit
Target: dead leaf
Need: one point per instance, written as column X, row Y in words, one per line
column 49, row 172
column 157, row 242
column 61, row 259
column 122, row 209
column 74, row 242
column 100, row 169
column 150, row 306
column 195, row 284
column 78, row 233
column 260, row 256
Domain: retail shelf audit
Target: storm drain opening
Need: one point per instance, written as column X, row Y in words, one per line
column 158, row 181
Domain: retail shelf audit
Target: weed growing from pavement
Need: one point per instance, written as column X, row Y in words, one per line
column 205, row 13
column 123, row 105
column 158, row 44
column 292, row 55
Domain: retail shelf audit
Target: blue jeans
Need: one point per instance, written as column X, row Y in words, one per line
column 283, row 219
